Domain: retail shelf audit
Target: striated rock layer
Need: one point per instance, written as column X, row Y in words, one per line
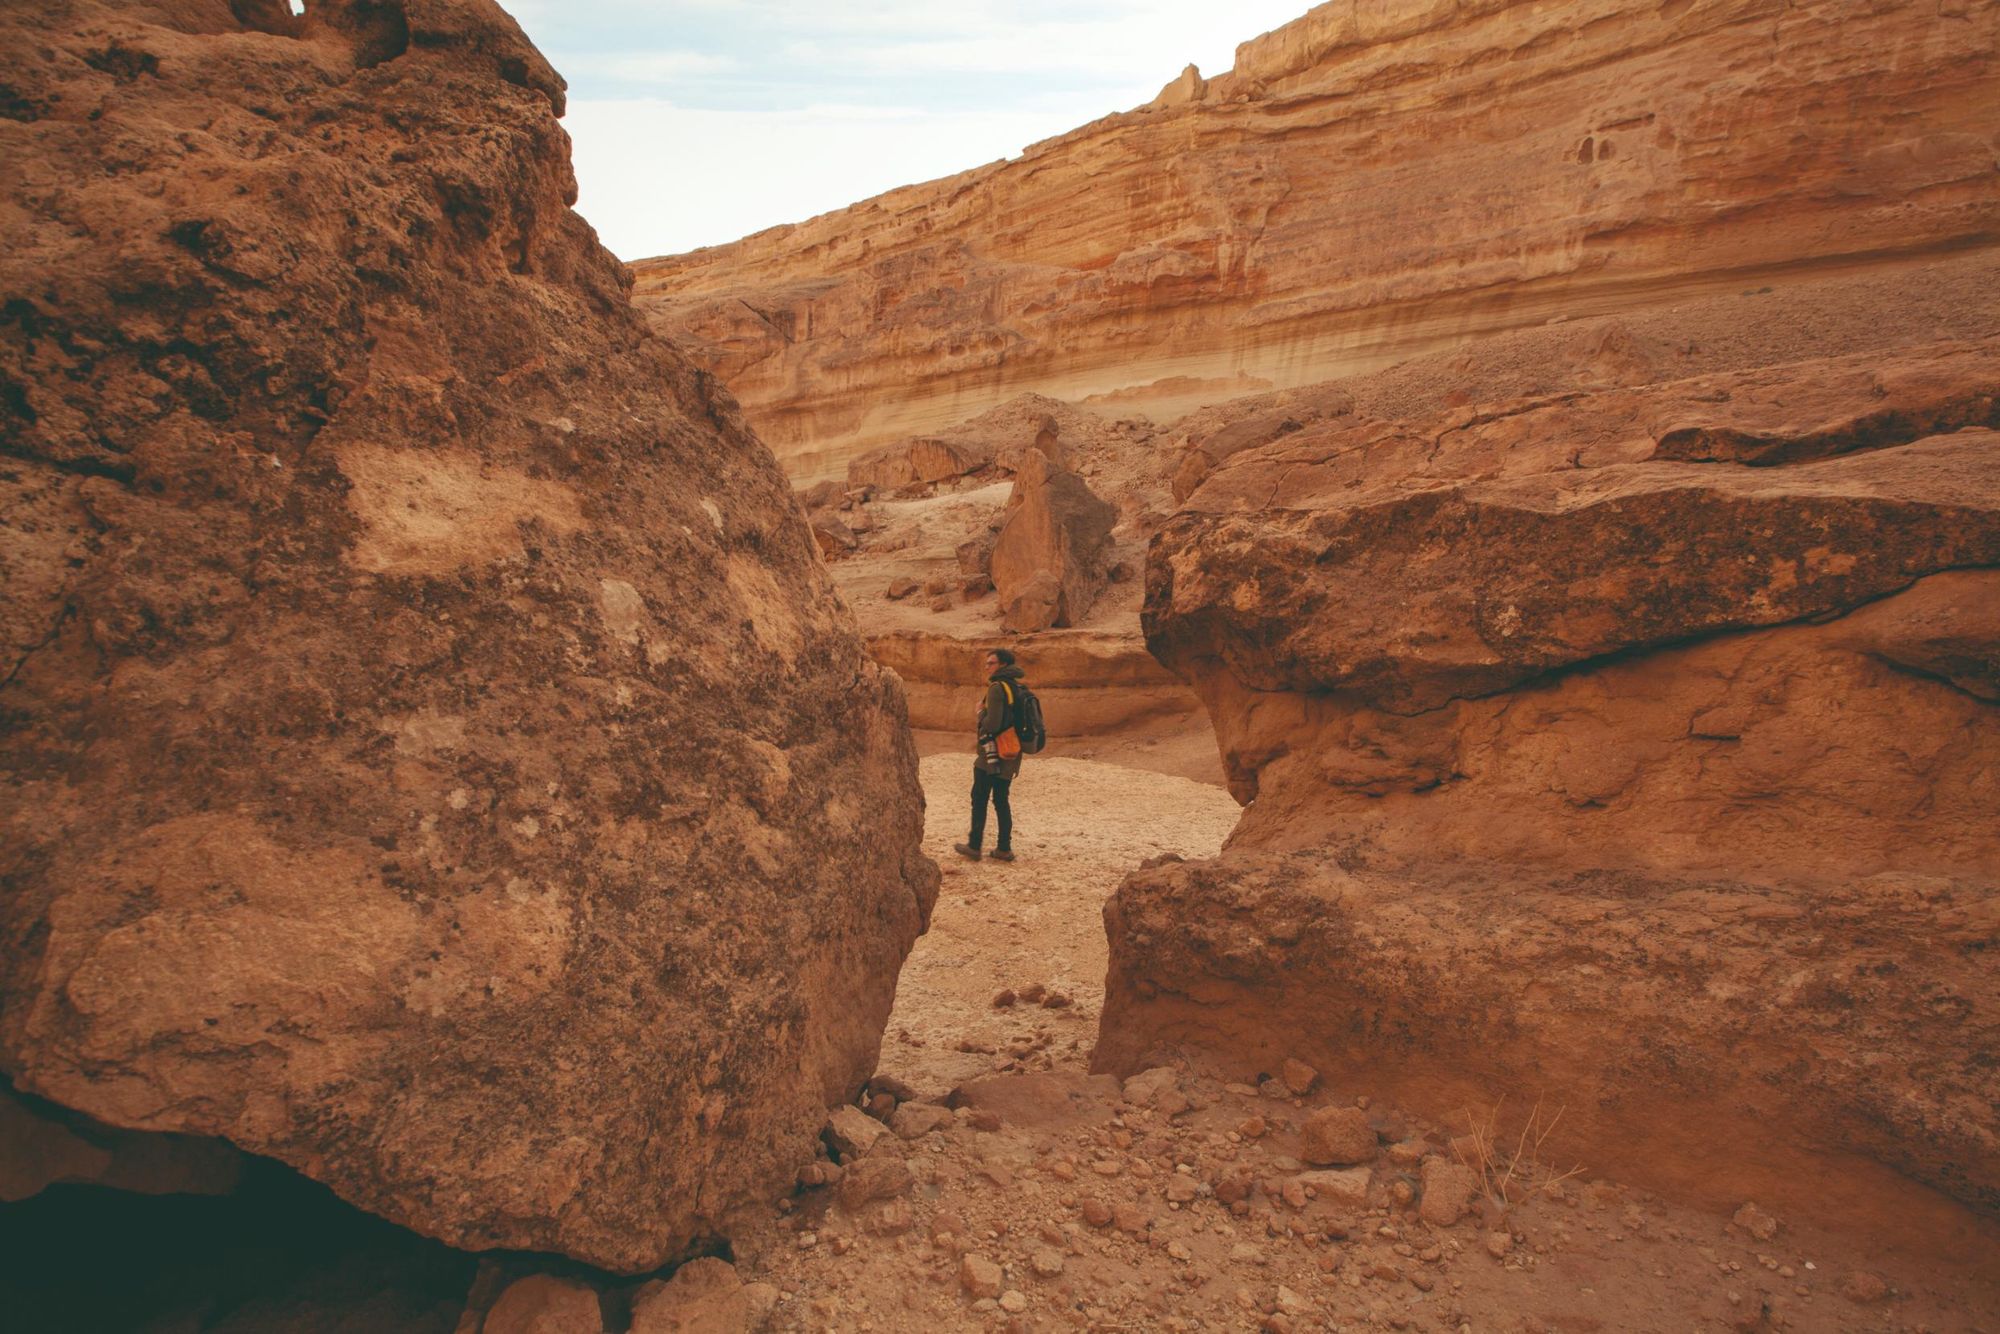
column 1370, row 182
column 432, row 754
column 1635, row 748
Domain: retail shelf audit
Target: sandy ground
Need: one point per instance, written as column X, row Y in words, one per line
column 1078, row 828
column 1054, row 1200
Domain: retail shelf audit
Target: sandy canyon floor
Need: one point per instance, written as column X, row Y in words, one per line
column 1184, row 1205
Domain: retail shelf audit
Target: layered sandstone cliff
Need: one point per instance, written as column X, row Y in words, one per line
column 1370, row 182
column 432, row 753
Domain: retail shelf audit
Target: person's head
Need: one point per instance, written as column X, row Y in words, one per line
column 998, row 658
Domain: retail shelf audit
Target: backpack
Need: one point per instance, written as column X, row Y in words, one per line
column 1027, row 717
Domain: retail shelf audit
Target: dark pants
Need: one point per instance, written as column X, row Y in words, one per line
column 982, row 784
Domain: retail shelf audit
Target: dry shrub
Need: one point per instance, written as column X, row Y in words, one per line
column 1511, row 1171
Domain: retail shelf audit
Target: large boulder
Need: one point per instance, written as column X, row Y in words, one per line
column 1050, row 560
column 430, row 752
column 1634, row 746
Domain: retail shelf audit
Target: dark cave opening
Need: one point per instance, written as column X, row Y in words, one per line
column 279, row 1255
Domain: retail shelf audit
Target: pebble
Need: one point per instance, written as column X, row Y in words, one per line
column 1863, row 1288
column 1013, row 1301
column 1337, row 1137
column 1756, row 1222
column 979, row 1276
column 1046, row 1262
column 1299, row 1077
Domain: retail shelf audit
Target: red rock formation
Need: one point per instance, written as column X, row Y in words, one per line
column 1051, row 559
column 1580, row 767
column 432, row 754
column 1370, row 182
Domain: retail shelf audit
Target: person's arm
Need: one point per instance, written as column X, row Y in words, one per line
column 993, row 713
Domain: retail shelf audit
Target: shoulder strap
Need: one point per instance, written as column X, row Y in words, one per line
column 1010, row 693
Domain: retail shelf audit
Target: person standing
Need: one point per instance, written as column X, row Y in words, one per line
column 997, row 762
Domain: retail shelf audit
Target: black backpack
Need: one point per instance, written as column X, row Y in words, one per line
column 1027, row 718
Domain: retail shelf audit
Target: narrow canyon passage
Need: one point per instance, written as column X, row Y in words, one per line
column 1080, row 826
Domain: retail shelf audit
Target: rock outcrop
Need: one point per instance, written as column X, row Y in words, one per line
column 1051, row 559
column 431, row 754
column 1633, row 746
column 1370, row 182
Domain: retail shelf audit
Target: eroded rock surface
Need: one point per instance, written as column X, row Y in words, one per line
column 1050, row 560
column 432, row 754
column 1631, row 745
column 1370, row 182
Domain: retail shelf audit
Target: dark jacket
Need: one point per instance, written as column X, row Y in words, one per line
column 996, row 715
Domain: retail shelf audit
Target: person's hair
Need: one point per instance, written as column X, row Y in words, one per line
column 1006, row 656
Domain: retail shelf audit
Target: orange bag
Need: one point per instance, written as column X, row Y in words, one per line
column 1007, row 744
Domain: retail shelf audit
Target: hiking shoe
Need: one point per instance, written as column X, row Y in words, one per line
column 1001, row 855
column 967, row 851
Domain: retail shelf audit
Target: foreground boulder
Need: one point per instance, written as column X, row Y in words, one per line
column 1636, row 748
column 430, row 753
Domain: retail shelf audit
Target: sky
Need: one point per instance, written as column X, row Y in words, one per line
column 695, row 122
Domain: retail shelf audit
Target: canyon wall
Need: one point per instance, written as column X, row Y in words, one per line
column 1371, row 182
column 1633, row 748
column 431, row 751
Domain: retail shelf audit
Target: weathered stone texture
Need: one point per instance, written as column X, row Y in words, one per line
column 1371, row 182
column 430, row 752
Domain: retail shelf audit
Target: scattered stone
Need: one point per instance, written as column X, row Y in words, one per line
column 1144, row 1088
column 914, row 1120
column 1004, row 999
column 1448, row 1191
column 1057, row 1000
column 1498, row 1244
column 852, row 1132
column 819, row 1174
column 1337, row 1136
column 1095, row 1212
column 1131, row 1218
column 942, row 602
column 1756, row 1222
column 1863, row 1288
column 1033, row 993
column 1046, row 1262
column 894, row 1087
column 893, row 1219
column 979, row 1276
column 1408, row 1152
column 1299, row 1077
column 1014, row 1302
column 545, row 1304
column 881, row 1176
column 704, row 1296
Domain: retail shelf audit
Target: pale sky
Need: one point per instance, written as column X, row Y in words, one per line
column 699, row 121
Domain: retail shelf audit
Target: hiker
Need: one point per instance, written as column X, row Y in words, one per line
column 993, row 768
